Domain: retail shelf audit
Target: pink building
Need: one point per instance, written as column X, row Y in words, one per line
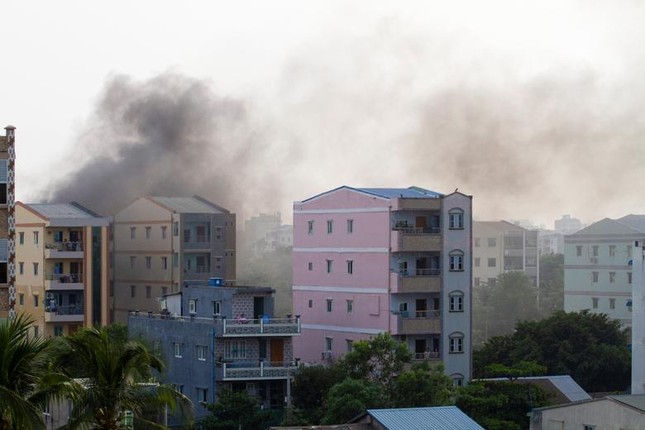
column 371, row 260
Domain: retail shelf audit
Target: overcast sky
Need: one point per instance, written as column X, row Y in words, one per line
column 534, row 108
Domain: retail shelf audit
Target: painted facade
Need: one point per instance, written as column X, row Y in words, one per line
column 598, row 267
column 638, row 318
column 367, row 261
column 501, row 247
column 62, row 277
column 214, row 338
column 160, row 243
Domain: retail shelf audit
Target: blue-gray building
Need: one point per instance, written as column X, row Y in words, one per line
column 215, row 337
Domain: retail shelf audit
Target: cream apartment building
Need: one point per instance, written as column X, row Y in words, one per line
column 163, row 243
column 501, row 247
column 62, row 275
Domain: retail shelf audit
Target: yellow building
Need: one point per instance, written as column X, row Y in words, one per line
column 62, row 274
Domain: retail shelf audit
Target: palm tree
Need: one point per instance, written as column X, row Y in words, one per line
column 113, row 377
column 27, row 379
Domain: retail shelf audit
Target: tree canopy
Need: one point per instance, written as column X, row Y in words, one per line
column 590, row 347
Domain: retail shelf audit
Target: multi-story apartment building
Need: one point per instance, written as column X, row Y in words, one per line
column 214, row 338
column 500, row 247
column 160, row 243
column 638, row 318
column 598, row 266
column 62, row 257
column 567, row 225
column 550, row 242
column 7, row 223
column 373, row 260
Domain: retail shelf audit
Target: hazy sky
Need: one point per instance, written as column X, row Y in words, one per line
column 535, row 108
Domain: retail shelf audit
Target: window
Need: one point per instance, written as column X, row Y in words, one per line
column 148, row 262
column 477, row 281
column 491, row 242
column 35, row 269
column 476, row 261
column 21, row 267
column 133, row 232
column 349, row 345
column 217, row 307
column 594, row 302
column 35, row 238
column 133, row 290
column 403, row 307
column 330, row 226
column 164, row 231
column 629, row 277
column 594, row 276
column 58, row 330
column 579, row 251
column 156, row 347
column 164, row 263
column 148, row 230
column 588, row 427
column 202, row 395
column 612, row 303
column 175, row 259
column 477, row 242
column 350, row 306
column 235, row 349
column 612, row 277
column 186, row 235
column 175, row 228
column 310, row 266
column 329, row 343
column 329, row 305
column 456, row 301
column 612, row 250
column 164, row 291
column 329, row 265
column 492, row 262
column 21, row 299
column 201, row 352
column 133, row 260
column 148, row 291
column 350, row 226
column 21, row 237
column 456, row 343
column 36, row 300
column 350, row 266
column 457, row 379
column 456, row 261
column 311, row 303
column 192, row 306
column 310, row 227
column 594, row 251
column 456, row 219
column 177, row 349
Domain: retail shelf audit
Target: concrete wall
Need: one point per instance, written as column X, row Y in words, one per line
column 602, row 414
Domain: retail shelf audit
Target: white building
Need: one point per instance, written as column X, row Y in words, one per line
column 598, row 267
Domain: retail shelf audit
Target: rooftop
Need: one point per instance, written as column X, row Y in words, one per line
column 195, row 204
column 434, row 418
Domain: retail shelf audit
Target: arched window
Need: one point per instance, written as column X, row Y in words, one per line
column 456, row 219
column 457, row 379
column 456, row 343
column 456, row 301
column 456, row 260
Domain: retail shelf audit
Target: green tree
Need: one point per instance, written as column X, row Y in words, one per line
column 551, row 293
column 115, row 377
column 501, row 405
column 423, row 385
column 350, row 398
column 27, row 380
column 380, row 360
column 590, row 347
column 310, row 386
column 234, row 410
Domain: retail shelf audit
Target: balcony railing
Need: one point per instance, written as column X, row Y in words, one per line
column 238, row 327
column 428, row 355
column 420, row 272
column 65, row 246
column 243, row 370
column 417, row 230
column 65, row 278
column 64, row 310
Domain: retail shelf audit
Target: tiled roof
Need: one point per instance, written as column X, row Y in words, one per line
column 436, row 418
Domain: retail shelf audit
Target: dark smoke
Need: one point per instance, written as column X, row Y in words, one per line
column 168, row 136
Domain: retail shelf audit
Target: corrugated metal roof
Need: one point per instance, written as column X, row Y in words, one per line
column 435, row 418
column 635, row 401
column 564, row 383
column 61, row 210
column 188, row 205
column 408, row 193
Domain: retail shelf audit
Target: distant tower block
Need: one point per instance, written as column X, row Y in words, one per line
column 7, row 223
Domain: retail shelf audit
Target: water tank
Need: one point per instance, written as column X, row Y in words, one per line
column 215, row 282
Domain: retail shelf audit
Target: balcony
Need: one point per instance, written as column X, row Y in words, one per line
column 419, row 322
column 55, row 313
column 64, row 250
column 411, row 239
column 416, row 281
column 253, row 370
column 241, row 327
column 429, row 355
column 64, row 282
